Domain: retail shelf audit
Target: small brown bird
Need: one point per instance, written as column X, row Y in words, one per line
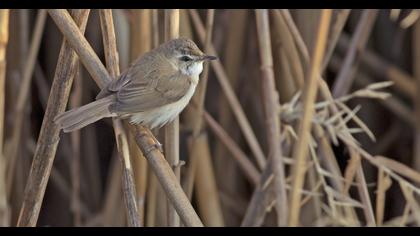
column 152, row 91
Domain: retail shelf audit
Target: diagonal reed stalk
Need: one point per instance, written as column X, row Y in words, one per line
column 300, row 148
column 143, row 136
column 200, row 173
column 230, row 95
column 112, row 63
column 48, row 138
column 272, row 122
column 359, row 40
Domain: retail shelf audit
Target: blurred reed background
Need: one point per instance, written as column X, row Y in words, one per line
column 308, row 118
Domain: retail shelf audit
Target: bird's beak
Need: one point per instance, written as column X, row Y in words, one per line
column 208, row 57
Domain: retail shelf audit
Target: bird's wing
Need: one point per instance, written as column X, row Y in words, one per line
column 156, row 88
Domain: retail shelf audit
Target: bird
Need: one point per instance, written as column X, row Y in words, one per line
column 153, row 91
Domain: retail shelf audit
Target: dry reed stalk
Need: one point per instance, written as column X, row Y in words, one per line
column 112, row 63
column 58, row 180
column 337, row 29
column 36, row 185
column 416, row 70
column 206, row 189
column 250, row 171
column 152, row 185
column 384, row 183
column 167, row 178
column 288, row 64
column 143, row 136
column 151, row 199
column 4, row 37
column 294, row 32
column 194, row 114
column 141, row 42
column 329, row 160
column 200, row 156
column 257, row 207
column 21, row 104
column 381, row 68
column 171, row 143
column 111, row 213
column 189, row 114
column 363, row 191
column 271, row 104
column 309, row 95
column 76, row 101
column 230, row 95
column 343, row 81
column 394, row 104
column 48, row 138
column 234, row 52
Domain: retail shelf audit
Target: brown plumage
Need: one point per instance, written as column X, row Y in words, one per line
column 151, row 92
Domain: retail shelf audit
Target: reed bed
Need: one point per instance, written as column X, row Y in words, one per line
column 308, row 118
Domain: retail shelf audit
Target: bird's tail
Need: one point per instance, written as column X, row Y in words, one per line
column 80, row 117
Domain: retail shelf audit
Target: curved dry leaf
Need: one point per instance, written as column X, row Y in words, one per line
column 399, row 168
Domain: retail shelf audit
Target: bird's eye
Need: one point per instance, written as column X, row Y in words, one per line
column 186, row 58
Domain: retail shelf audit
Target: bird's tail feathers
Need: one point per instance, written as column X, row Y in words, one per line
column 82, row 116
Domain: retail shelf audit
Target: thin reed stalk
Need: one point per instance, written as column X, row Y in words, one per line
column 76, row 101
column 271, row 104
column 250, row 171
column 230, row 95
column 140, row 43
column 172, row 128
column 416, row 67
column 22, row 97
column 112, row 62
column 309, row 95
column 48, row 138
column 359, row 40
column 200, row 171
column 4, row 38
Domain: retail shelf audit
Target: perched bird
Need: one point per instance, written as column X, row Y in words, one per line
column 151, row 92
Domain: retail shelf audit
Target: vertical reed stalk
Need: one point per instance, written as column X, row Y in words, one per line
column 76, row 101
column 141, row 42
column 4, row 38
column 112, row 62
column 200, row 156
column 172, row 128
column 22, row 98
column 416, row 68
column 271, row 104
column 48, row 138
column 300, row 148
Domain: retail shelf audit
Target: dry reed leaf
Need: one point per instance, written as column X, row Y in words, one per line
column 411, row 201
column 399, row 168
column 359, row 122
